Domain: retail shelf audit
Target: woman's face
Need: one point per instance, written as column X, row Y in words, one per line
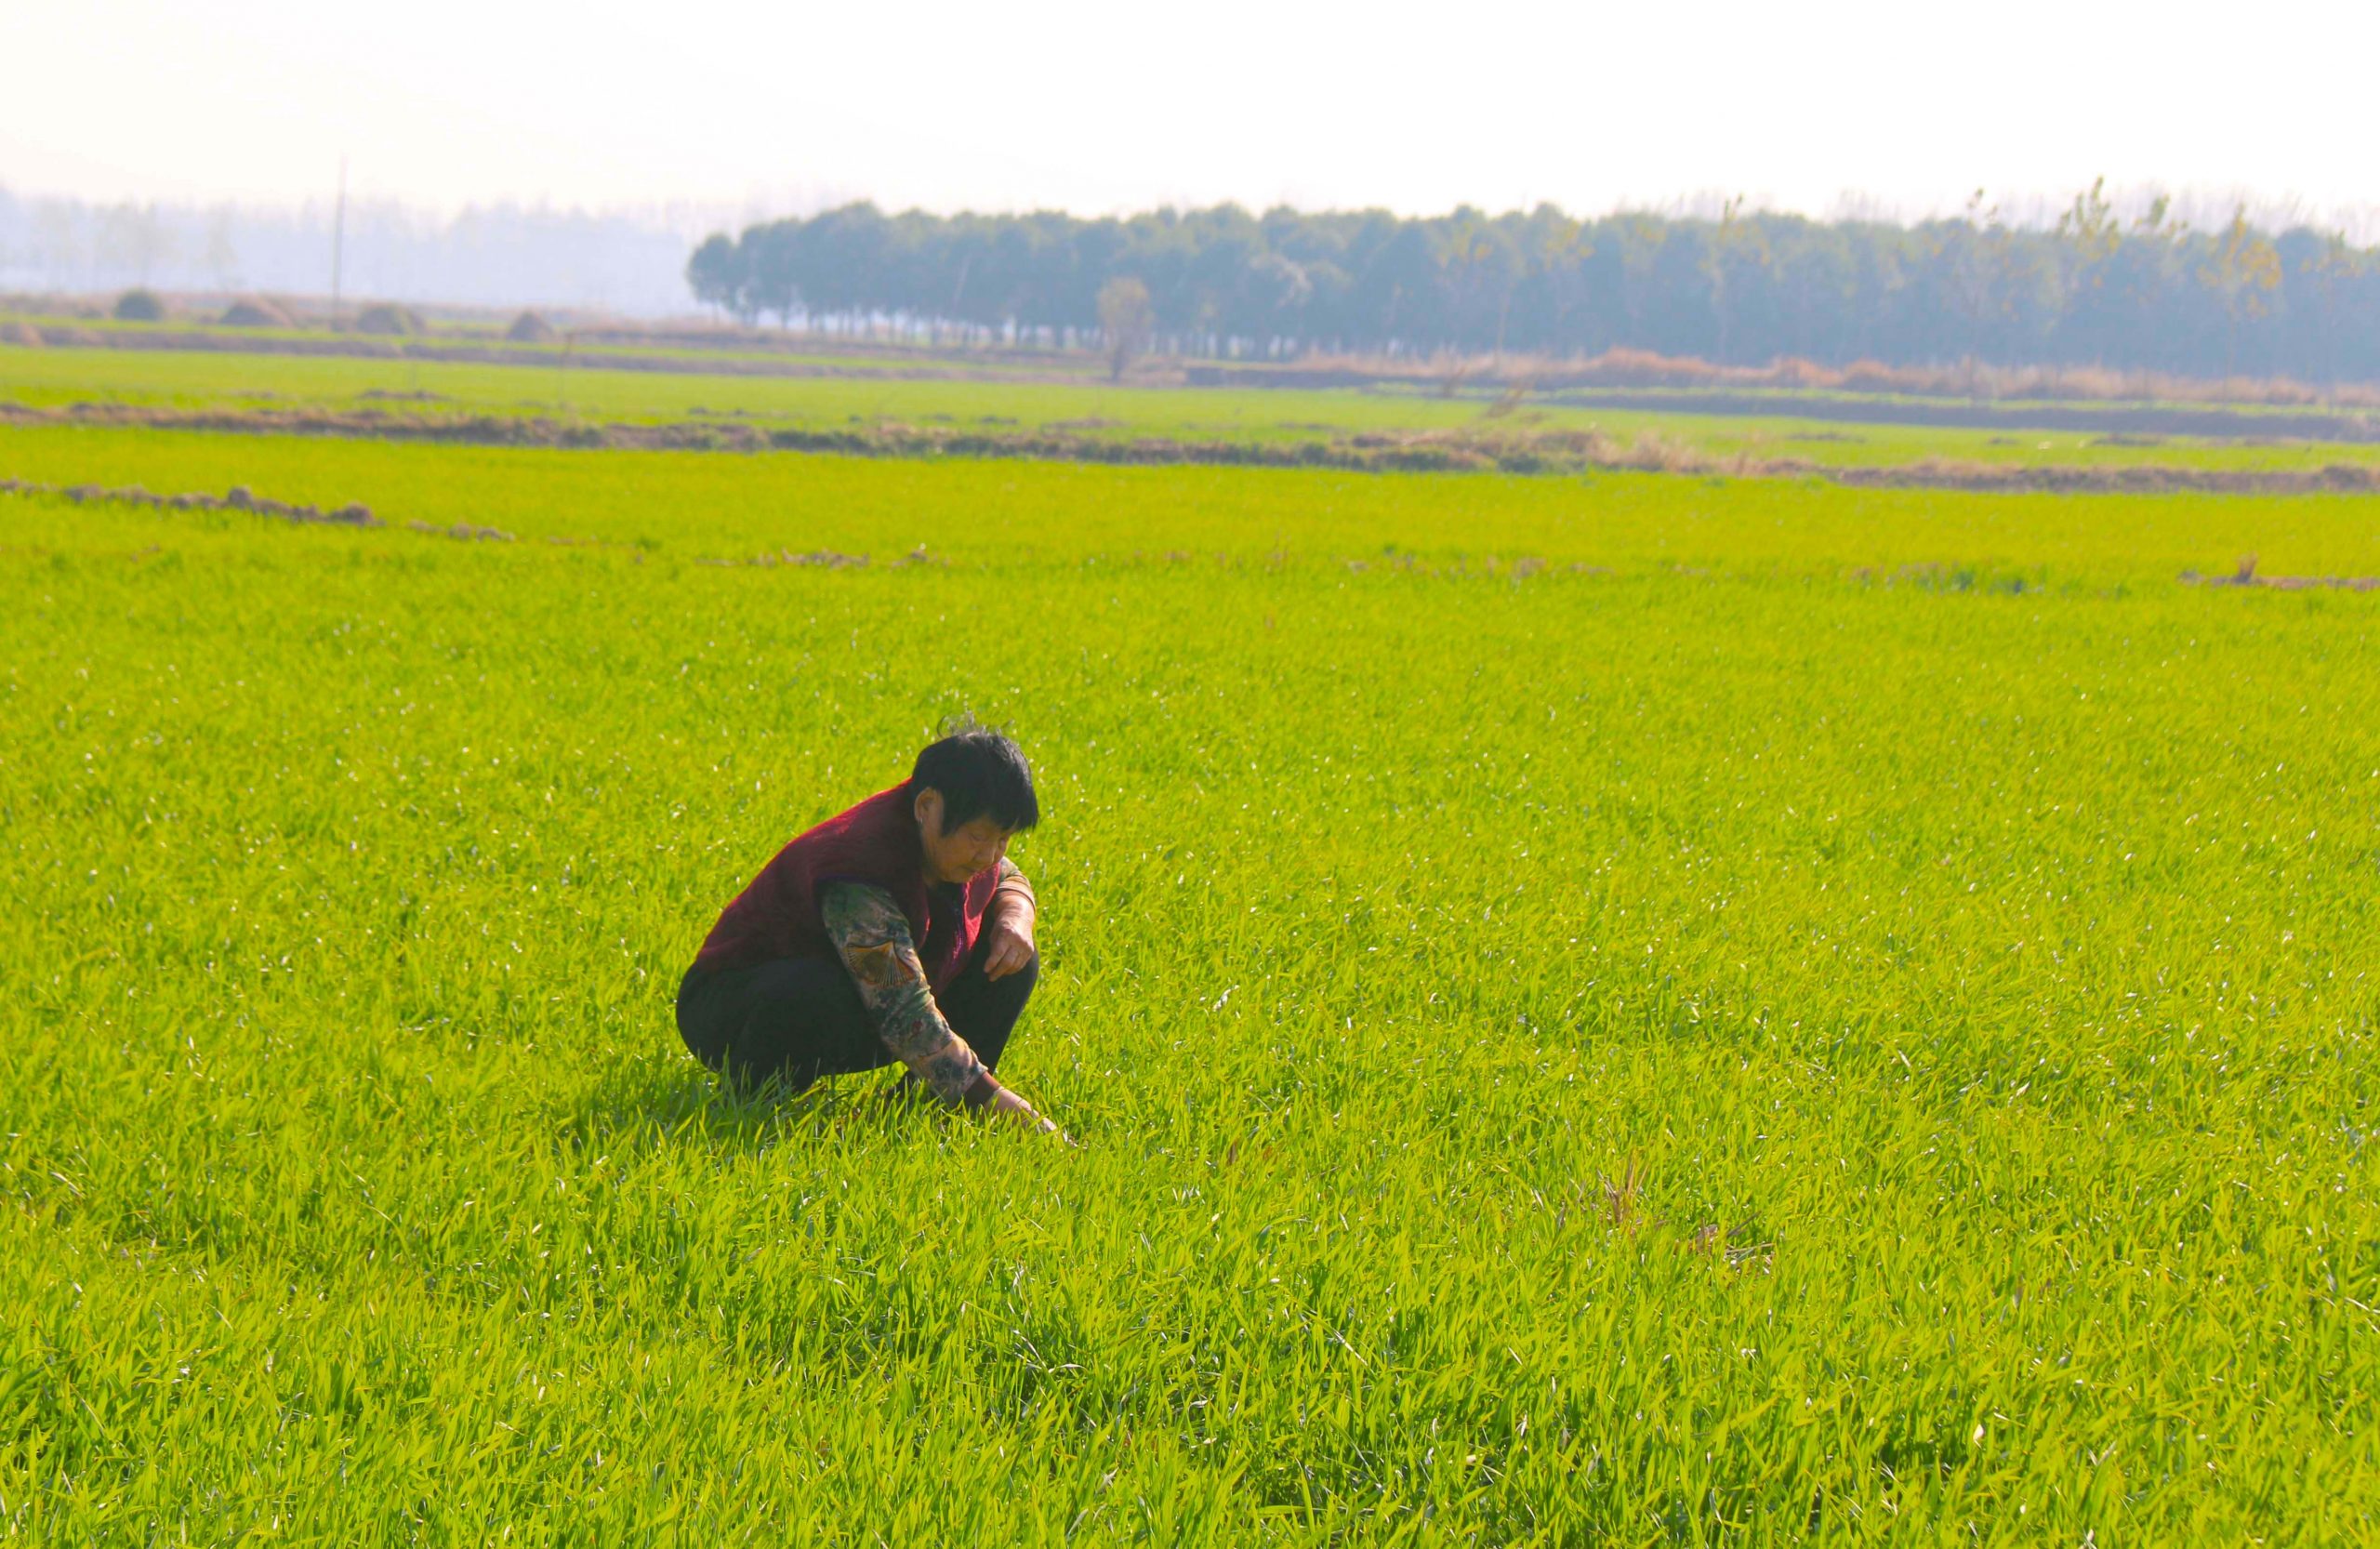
column 967, row 851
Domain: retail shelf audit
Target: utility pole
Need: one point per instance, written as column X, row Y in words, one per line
column 338, row 241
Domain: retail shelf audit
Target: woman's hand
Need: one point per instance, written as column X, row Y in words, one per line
column 1008, row 937
column 1009, row 1106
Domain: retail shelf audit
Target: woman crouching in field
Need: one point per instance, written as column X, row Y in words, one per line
column 898, row 930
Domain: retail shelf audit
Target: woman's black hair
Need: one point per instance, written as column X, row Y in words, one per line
column 980, row 774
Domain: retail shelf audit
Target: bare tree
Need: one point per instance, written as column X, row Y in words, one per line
column 222, row 253
column 2092, row 235
column 2339, row 265
column 1128, row 319
column 2244, row 270
column 1733, row 242
column 58, row 236
column 135, row 238
column 1977, row 273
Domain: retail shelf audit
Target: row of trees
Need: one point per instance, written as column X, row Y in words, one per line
column 490, row 256
column 2145, row 290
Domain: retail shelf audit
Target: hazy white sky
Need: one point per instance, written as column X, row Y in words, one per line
column 1099, row 107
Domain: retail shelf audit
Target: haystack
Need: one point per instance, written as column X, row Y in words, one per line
column 140, row 305
column 386, row 318
column 253, row 312
column 529, row 328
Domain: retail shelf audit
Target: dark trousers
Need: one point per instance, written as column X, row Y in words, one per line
column 797, row 1019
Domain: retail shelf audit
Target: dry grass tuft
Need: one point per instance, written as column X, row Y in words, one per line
column 254, row 311
column 386, row 318
column 1620, row 1194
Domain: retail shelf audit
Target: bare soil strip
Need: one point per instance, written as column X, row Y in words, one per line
column 1551, row 451
column 2137, row 419
column 2246, row 576
column 2334, row 479
column 1604, row 386
column 241, row 498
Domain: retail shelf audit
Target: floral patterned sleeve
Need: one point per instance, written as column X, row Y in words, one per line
column 1011, row 884
column 872, row 937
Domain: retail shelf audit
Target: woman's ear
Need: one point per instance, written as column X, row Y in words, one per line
column 928, row 809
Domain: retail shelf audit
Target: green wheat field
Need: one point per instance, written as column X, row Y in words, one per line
column 1642, row 1009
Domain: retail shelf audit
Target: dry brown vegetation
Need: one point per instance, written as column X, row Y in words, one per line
column 387, row 318
column 254, row 311
column 138, row 305
column 238, row 498
column 242, row 499
column 2246, row 576
column 1520, row 451
column 1641, row 368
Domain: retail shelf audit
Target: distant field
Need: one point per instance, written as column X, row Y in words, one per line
column 792, row 353
column 696, row 505
column 54, row 377
column 1637, row 1007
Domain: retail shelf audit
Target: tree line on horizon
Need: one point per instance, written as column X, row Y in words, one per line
column 490, row 256
column 2147, row 293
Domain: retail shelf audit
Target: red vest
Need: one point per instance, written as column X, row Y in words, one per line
column 875, row 842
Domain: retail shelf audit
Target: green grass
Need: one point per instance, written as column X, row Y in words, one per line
column 189, row 379
column 1973, row 926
